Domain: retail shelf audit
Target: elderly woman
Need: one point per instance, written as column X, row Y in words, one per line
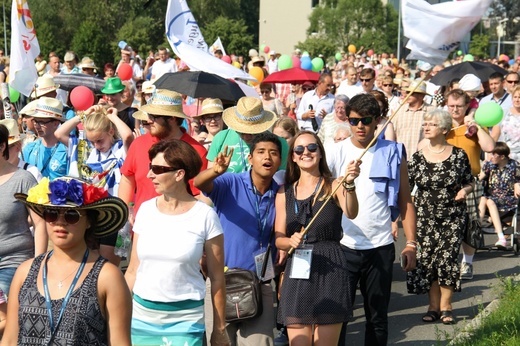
column 270, row 103
column 509, row 129
column 332, row 120
column 211, row 117
column 171, row 232
column 442, row 174
column 70, row 295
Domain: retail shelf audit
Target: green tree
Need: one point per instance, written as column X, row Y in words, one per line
column 316, row 45
column 479, row 45
column 363, row 23
column 232, row 32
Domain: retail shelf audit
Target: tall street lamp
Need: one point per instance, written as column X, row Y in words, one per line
column 501, row 32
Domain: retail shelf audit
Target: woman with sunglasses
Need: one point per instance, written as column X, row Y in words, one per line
column 270, row 103
column 70, row 295
column 17, row 244
column 210, row 117
column 312, row 299
column 171, row 233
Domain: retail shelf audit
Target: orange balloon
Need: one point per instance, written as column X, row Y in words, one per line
column 351, row 48
column 258, row 73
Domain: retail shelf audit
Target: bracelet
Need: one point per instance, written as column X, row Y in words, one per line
column 349, row 187
column 414, row 244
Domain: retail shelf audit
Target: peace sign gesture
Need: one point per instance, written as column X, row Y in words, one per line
column 222, row 160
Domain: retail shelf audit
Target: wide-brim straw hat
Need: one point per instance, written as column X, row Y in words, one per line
column 165, row 102
column 140, row 115
column 113, row 85
column 43, row 86
column 49, row 108
column 112, row 211
column 86, row 62
column 29, row 109
column 420, row 87
column 249, row 116
column 14, row 132
column 211, row 106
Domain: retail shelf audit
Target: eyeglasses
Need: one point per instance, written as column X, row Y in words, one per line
column 207, row 119
column 71, row 216
column 154, row 117
column 162, row 169
column 429, row 125
column 364, row 121
column 456, row 106
column 513, row 81
column 42, row 123
column 300, row 149
column 366, row 80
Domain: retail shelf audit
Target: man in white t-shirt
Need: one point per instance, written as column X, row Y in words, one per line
column 164, row 65
column 367, row 242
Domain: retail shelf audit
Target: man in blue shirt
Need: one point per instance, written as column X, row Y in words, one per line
column 245, row 205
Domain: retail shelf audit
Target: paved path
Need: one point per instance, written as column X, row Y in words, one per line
column 406, row 310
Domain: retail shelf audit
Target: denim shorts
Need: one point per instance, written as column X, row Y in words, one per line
column 6, row 276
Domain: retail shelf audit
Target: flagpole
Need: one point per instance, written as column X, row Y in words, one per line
column 5, row 36
column 399, row 32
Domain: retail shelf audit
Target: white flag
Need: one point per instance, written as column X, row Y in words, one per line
column 436, row 30
column 24, row 48
column 187, row 42
column 217, row 45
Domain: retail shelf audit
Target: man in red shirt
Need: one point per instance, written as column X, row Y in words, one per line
column 165, row 113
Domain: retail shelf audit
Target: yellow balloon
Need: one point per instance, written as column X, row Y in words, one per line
column 258, row 73
column 236, row 64
column 352, row 49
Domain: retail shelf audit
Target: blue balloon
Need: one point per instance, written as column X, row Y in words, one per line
column 511, row 62
column 306, row 64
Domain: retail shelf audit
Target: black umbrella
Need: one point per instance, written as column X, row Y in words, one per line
column 70, row 81
column 200, row 84
column 480, row 69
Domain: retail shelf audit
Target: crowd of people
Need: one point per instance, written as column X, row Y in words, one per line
column 324, row 172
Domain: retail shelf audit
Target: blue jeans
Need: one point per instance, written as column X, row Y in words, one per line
column 6, row 276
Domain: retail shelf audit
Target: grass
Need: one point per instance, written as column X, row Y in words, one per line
column 502, row 326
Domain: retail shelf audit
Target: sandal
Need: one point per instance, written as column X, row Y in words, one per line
column 447, row 317
column 430, row 316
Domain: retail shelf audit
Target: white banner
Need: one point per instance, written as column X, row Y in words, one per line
column 436, row 30
column 187, row 42
column 217, row 45
column 24, row 48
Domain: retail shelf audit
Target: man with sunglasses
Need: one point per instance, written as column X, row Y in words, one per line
column 316, row 104
column 367, row 77
column 367, row 242
column 166, row 116
column 244, row 203
column 47, row 153
column 511, row 80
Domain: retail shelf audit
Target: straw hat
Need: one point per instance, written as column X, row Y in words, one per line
column 29, row 109
column 86, row 62
column 211, row 106
column 165, row 102
column 249, row 116
column 140, row 115
column 419, row 87
column 50, row 108
column 256, row 59
column 148, row 87
column 67, row 192
column 44, row 85
column 14, row 132
column 113, row 85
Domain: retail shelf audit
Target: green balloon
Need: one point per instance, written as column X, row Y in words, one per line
column 489, row 114
column 317, row 64
column 459, row 52
column 338, row 56
column 305, row 53
column 468, row 57
column 262, row 46
column 284, row 62
column 14, row 95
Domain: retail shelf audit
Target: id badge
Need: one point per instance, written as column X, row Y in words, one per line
column 301, row 262
column 260, row 256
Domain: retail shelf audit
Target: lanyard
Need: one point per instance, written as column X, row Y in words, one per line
column 46, row 163
column 54, row 327
column 296, row 209
column 261, row 221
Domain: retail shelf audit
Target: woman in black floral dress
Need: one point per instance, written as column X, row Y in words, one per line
column 443, row 177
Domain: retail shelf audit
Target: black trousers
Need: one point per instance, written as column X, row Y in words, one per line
column 372, row 269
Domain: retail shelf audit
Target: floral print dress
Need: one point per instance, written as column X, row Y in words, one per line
column 441, row 220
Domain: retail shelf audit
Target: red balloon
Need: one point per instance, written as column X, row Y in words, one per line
column 370, row 52
column 226, row 58
column 81, row 98
column 125, row 71
column 295, row 61
column 267, row 49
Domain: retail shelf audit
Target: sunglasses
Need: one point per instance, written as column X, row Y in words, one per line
column 307, row 89
column 513, row 81
column 42, row 123
column 364, row 121
column 146, row 123
column 215, row 117
column 388, row 85
column 365, row 79
column 71, row 216
column 300, row 149
column 155, row 117
column 162, row 169
column 265, row 91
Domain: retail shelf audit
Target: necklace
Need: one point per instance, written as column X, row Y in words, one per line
column 436, row 152
column 60, row 282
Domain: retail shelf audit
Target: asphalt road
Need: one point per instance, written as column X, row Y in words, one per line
column 406, row 310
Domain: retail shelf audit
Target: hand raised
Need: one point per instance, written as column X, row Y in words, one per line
column 352, row 171
column 222, row 160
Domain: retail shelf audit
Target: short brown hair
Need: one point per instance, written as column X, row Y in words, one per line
column 457, row 94
column 367, row 71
